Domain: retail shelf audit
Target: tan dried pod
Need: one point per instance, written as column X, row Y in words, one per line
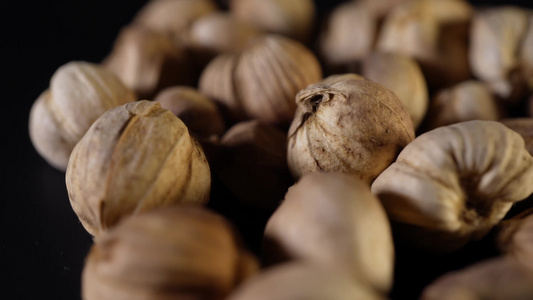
column 199, row 113
column 79, row 93
column 216, row 81
column 451, row 185
column 515, row 237
column 466, row 101
column 168, row 253
column 219, row 33
column 174, row 17
column 253, row 164
column 347, row 124
column 524, row 126
column 435, row 33
column 347, row 37
column 499, row 278
column 496, row 35
column 261, row 82
column 134, row 158
column 381, row 7
column 148, row 61
column 402, row 75
column 333, row 219
column 302, row 280
column 292, row 18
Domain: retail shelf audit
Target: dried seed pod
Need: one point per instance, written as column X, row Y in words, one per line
column 496, row 36
column 402, row 75
column 495, row 279
column 347, row 37
column 381, row 8
column 219, row 33
column 261, row 82
column 253, row 164
column 467, row 101
column 515, row 237
column 347, row 124
column 524, row 126
column 199, row 113
column 325, row 219
column 173, row 17
column 168, row 253
column 133, row 158
column 216, row 81
column 148, row 61
column 292, row 18
column 435, row 33
column 451, row 185
column 79, row 93
column 302, row 280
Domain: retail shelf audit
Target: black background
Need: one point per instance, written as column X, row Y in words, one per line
column 42, row 244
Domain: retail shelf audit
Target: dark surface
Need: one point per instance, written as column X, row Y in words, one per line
column 42, row 244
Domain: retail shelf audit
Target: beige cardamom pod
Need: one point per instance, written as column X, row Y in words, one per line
column 134, row 158
column 451, row 185
column 79, row 93
column 347, row 124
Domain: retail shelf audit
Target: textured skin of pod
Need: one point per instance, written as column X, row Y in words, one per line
column 270, row 73
column 135, row 157
column 451, row 185
column 349, row 125
column 168, row 253
column 302, row 280
column 79, row 93
column 335, row 220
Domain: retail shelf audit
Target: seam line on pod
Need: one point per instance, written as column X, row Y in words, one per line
column 237, row 94
column 431, row 176
column 287, row 67
column 256, row 59
column 143, row 199
column 280, row 77
column 301, row 77
column 68, row 134
column 187, row 181
column 311, row 152
column 123, row 132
